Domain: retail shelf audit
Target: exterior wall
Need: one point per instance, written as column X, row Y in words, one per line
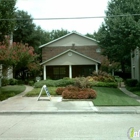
column 135, row 64
column 90, row 51
column 73, row 39
column 71, row 58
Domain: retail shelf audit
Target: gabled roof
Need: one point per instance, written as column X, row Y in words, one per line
column 65, row 37
column 66, row 52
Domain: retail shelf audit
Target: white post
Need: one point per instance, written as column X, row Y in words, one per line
column 70, row 71
column 44, row 72
column 97, row 68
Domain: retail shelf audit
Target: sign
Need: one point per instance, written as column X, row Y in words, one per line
column 46, row 90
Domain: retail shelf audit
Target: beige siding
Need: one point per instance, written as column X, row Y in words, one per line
column 73, row 39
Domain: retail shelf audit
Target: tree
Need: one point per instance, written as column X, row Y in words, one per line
column 21, row 57
column 118, row 35
column 54, row 34
column 39, row 37
column 24, row 28
column 7, row 12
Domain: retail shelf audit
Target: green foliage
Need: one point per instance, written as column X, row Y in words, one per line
column 13, row 81
column 5, row 82
column 24, row 28
column 31, row 83
column 10, row 91
column 66, row 82
column 104, row 84
column 54, row 34
column 21, row 57
column 118, row 79
column 54, row 83
column 131, row 82
column 118, row 35
column 82, row 82
column 7, row 11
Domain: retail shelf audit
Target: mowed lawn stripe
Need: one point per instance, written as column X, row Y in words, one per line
column 113, row 97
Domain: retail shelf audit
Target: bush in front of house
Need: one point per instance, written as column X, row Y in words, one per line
column 82, row 82
column 64, row 82
column 101, row 76
column 59, row 90
column 54, row 83
column 49, row 83
column 31, row 83
column 131, row 82
column 13, row 81
column 5, row 82
column 78, row 93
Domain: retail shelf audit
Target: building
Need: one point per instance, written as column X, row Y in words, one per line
column 70, row 56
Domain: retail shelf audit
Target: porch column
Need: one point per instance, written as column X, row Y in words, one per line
column 70, row 71
column 96, row 68
column 44, row 72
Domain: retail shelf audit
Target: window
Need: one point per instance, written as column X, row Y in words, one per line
column 59, row 72
column 98, row 50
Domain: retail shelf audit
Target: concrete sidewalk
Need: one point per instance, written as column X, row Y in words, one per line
column 29, row 105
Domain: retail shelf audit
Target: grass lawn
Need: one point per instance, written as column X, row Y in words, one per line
column 36, row 91
column 113, row 97
column 10, row 91
column 105, row 96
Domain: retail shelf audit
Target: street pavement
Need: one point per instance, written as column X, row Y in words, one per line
column 31, row 105
column 69, row 126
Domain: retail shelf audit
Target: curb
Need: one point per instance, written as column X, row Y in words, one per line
column 67, row 112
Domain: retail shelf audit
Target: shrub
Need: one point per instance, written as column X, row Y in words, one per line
column 60, row 90
column 13, row 81
column 131, row 82
column 31, row 83
column 72, row 92
column 54, row 83
column 5, row 82
column 82, row 82
column 101, row 76
column 64, row 82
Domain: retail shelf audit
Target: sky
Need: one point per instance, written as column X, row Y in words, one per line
column 66, row 9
